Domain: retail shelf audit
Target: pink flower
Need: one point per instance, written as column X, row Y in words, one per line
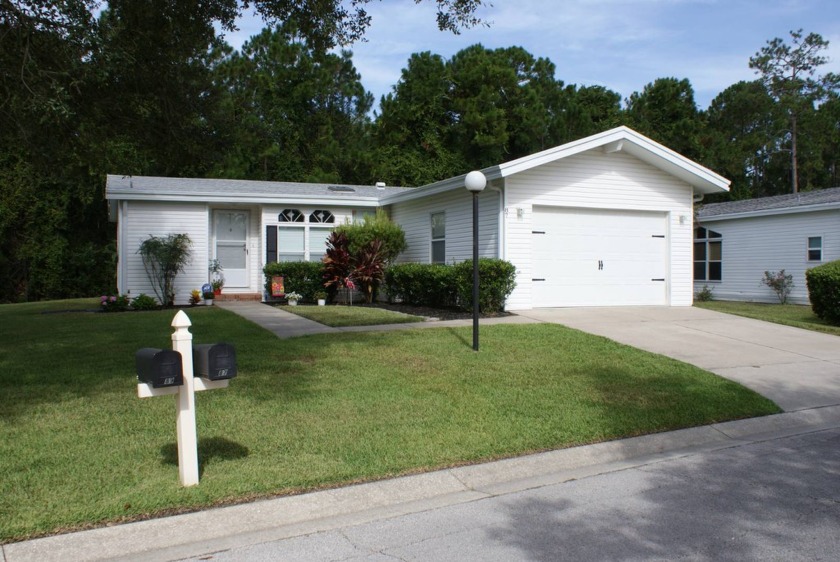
column 103, row 298
column 349, row 284
column 113, row 299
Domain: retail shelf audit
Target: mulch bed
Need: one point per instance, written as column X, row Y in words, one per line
column 428, row 312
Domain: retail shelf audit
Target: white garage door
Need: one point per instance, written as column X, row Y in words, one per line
column 584, row 257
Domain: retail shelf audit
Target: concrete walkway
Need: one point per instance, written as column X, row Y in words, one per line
column 796, row 368
column 284, row 324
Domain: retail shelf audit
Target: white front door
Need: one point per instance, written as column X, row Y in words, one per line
column 230, row 230
column 595, row 257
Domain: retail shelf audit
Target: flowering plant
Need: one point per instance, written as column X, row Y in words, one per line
column 195, row 296
column 293, row 296
column 114, row 303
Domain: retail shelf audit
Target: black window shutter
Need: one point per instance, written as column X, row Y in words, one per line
column 270, row 244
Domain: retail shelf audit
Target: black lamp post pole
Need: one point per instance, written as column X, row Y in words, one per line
column 475, row 271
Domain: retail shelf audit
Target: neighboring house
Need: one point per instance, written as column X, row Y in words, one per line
column 737, row 241
column 605, row 220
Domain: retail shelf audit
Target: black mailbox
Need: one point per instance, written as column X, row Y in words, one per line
column 159, row 367
column 214, row 361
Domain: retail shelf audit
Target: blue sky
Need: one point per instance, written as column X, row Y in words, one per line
column 620, row 44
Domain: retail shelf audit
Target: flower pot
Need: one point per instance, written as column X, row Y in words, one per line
column 322, row 302
column 292, row 303
column 217, row 292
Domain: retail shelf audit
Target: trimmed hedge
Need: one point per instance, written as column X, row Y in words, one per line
column 422, row 284
column 496, row 281
column 447, row 286
column 304, row 277
column 824, row 291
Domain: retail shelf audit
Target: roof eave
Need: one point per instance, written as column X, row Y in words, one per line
column 771, row 212
column 262, row 199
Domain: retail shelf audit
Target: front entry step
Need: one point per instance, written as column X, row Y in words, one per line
column 239, row 297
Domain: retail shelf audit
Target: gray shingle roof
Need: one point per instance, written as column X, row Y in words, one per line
column 776, row 203
column 196, row 187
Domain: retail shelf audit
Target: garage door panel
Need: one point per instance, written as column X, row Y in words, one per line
column 598, row 258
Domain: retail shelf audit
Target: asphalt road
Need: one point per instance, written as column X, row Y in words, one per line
column 772, row 500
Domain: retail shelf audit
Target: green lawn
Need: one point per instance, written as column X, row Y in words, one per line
column 78, row 448
column 339, row 316
column 799, row 316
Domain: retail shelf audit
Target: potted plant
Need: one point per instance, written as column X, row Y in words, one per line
column 293, row 298
column 195, row 297
column 321, row 297
column 217, row 279
column 207, row 293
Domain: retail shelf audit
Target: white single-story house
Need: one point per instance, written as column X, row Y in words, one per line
column 602, row 221
column 737, row 241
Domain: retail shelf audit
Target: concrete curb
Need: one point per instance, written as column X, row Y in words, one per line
column 219, row 529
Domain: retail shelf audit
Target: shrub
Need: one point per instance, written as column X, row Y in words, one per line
column 304, row 277
column 422, row 284
column 164, row 258
column 144, row 302
column 369, row 269
column 497, row 279
column 375, row 227
column 338, row 266
column 443, row 286
column 780, row 283
column 114, row 303
column 823, row 284
column 704, row 295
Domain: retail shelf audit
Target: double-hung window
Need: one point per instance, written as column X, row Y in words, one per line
column 299, row 236
column 438, row 238
column 815, row 248
column 708, row 254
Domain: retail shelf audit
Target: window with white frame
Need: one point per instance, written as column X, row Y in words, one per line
column 298, row 235
column 815, row 248
column 708, row 254
column 438, row 237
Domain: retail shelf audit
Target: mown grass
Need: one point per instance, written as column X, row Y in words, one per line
column 78, row 448
column 339, row 316
column 796, row 315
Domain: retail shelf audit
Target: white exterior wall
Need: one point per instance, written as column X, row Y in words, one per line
column 597, row 180
column 139, row 219
column 753, row 245
column 415, row 218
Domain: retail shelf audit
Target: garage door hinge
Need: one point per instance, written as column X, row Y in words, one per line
column 663, row 279
column 537, row 279
column 657, row 236
column 538, row 232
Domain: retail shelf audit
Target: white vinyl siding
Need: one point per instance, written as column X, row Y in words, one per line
column 141, row 219
column 609, row 182
column 415, row 218
column 753, row 245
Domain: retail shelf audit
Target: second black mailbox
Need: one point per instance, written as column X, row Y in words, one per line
column 214, row 361
column 159, row 367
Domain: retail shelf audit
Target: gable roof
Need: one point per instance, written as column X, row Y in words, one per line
column 808, row 201
column 620, row 139
column 151, row 188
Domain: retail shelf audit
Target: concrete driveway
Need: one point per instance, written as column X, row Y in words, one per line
column 796, row 368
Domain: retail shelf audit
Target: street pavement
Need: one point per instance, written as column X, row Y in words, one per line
column 777, row 499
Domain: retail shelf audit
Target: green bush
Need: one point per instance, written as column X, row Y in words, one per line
column 144, row 302
column 375, row 227
column 497, row 279
column 114, row 303
column 444, row 286
column 304, row 277
column 422, row 284
column 823, row 284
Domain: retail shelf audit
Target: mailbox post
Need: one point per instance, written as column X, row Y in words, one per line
column 185, row 399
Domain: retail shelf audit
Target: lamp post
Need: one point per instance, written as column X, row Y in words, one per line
column 475, row 183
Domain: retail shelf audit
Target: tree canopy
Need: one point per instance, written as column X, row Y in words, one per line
column 150, row 87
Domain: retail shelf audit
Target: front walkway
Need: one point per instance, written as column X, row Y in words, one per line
column 284, row 324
